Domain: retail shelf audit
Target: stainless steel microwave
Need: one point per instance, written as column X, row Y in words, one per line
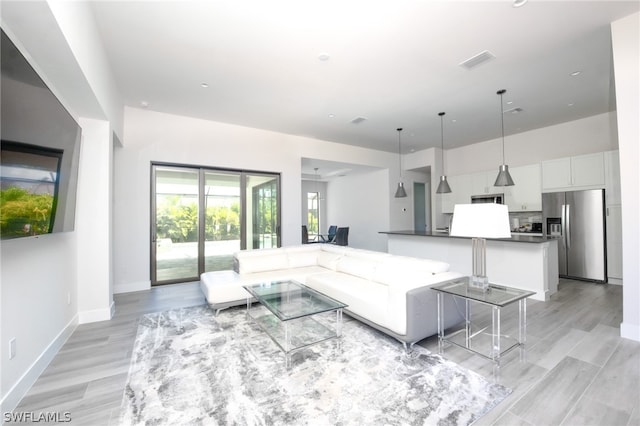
column 487, row 198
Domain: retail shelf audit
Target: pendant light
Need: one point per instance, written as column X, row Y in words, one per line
column 504, row 178
column 400, row 192
column 443, row 186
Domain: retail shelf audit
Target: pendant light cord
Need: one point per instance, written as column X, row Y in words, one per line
column 501, row 92
column 399, row 152
column 441, row 114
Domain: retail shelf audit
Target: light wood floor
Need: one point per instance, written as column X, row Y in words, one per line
column 578, row 371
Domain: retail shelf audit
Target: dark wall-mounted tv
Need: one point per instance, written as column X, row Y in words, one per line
column 39, row 153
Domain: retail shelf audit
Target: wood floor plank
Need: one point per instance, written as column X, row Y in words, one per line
column 549, row 402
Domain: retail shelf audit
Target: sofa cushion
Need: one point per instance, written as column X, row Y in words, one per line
column 364, row 297
column 328, row 260
column 267, row 262
column 302, row 256
column 357, row 267
column 226, row 286
column 403, row 269
column 375, row 256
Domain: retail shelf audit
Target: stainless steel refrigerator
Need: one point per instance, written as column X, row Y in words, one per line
column 577, row 218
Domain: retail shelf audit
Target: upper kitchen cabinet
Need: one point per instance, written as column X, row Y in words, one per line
column 580, row 172
column 612, row 177
column 482, row 183
column 526, row 194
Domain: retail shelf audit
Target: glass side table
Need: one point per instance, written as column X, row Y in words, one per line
column 496, row 297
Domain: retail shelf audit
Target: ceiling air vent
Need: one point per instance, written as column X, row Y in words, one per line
column 514, row 110
column 358, row 120
column 478, row 59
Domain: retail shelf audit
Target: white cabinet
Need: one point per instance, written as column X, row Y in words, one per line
column 526, row 194
column 482, row 183
column 612, row 177
column 614, row 242
column 556, row 173
column 614, row 215
column 584, row 171
column 588, row 170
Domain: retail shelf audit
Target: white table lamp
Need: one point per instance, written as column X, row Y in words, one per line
column 480, row 221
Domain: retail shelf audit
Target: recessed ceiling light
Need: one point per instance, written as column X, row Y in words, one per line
column 331, row 115
column 519, row 3
column 509, row 102
column 323, row 56
column 144, row 104
column 575, row 73
column 204, row 85
column 570, row 104
column 454, row 121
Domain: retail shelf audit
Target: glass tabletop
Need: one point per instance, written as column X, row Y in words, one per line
column 496, row 295
column 290, row 299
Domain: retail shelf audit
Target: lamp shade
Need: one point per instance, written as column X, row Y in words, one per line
column 480, row 221
column 400, row 192
column 504, row 177
column 443, row 186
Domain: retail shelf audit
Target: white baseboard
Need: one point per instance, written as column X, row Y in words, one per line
column 630, row 331
column 85, row 317
column 616, row 281
column 131, row 287
column 22, row 386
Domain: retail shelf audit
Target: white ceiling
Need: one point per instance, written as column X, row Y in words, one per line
column 395, row 63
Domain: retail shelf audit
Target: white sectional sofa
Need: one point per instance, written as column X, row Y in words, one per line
column 388, row 292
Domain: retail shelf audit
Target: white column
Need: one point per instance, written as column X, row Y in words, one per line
column 93, row 222
column 626, row 59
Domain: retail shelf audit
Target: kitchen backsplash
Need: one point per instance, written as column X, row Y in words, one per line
column 523, row 221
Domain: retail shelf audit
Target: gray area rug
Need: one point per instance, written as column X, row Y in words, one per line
column 190, row 367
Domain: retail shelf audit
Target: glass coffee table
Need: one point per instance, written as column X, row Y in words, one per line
column 289, row 312
column 496, row 297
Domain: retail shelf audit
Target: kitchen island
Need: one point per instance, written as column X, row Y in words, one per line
column 522, row 261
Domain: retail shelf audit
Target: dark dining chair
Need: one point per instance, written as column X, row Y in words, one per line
column 342, row 236
column 305, row 235
column 331, row 234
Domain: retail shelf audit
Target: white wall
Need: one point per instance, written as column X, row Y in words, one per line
column 361, row 202
column 78, row 26
column 626, row 58
column 38, row 275
column 585, row 136
column 39, row 292
column 156, row 137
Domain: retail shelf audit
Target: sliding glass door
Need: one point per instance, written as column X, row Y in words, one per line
column 201, row 216
column 262, row 201
column 176, row 233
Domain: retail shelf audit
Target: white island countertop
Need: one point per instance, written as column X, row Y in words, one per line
column 516, row 238
column 526, row 262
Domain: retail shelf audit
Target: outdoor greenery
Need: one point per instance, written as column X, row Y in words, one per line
column 23, row 213
column 178, row 221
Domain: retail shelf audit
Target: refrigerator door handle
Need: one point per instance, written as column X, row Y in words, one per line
column 567, row 213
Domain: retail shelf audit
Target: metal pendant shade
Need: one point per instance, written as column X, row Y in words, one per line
column 503, row 178
column 443, row 186
column 400, row 192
